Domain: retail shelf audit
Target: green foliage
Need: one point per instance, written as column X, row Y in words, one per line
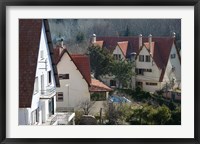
column 128, row 92
column 118, row 114
column 162, row 115
column 175, row 117
column 98, row 97
column 122, row 70
column 80, row 37
column 127, row 31
column 100, row 61
column 140, row 95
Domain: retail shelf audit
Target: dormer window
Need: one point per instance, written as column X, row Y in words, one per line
column 173, row 56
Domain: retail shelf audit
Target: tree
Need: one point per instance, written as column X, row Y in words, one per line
column 127, row 31
column 162, row 115
column 86, row 106
column 100, row 61
column 80, row 37
column 122, row 70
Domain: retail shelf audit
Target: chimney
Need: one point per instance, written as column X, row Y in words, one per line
column 93, row 38
column 61, row 46
column 173, row 34
column 150, row 42
column 61, row 42
column 140, row 40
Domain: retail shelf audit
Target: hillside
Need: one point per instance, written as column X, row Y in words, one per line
column 77, row 32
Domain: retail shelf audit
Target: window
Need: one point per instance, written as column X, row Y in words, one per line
column 141, row 58
column 49, row 77
column 41, row 54
column 173, row 68
column 112, row 83
column 117, row 56
column 36, row 85
column 147, row 58
column 139, row 84
column 59, row 96
column 149, row 70
column 140, row 71
column 152, row 84
column 34, row 116
column 173, row 56
column 63, row 76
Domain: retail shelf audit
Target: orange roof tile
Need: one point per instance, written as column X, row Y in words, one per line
column 161, row 48
column 99, row 43
column 123, row 46
column 96, row 85
column 83, row 64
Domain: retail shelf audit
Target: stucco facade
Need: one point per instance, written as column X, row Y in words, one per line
column 75, row 88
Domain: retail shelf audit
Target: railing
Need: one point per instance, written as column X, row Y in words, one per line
column 49, row 90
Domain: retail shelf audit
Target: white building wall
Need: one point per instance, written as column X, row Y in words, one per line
column 42, row 69
column 24, row 118
column 152, row 77
column 117, row 50
column 173, row 62
column 75, row 89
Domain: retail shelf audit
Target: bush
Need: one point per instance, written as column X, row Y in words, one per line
column 78, row 115
column 98, row 97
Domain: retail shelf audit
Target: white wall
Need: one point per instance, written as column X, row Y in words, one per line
column 153, row 76
column 75, row 89
column 177, row 73
column 24, row 118
column 43, row 46
column 118, row 50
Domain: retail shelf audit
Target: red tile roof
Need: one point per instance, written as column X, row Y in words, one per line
column 29, row 40
column 97, row 86
column 123, row 46
column 161, row 47
column 99, row 43
column 82, row 63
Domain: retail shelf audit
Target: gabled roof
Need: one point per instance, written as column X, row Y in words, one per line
column 81, row 62
column 50, row 46
column 161, row 47
column 123, row 46
column 99, row 43
column 111, row 42
column 97, row 86
column 29, row 41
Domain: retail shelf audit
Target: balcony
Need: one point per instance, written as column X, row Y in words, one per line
column 48, row 93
